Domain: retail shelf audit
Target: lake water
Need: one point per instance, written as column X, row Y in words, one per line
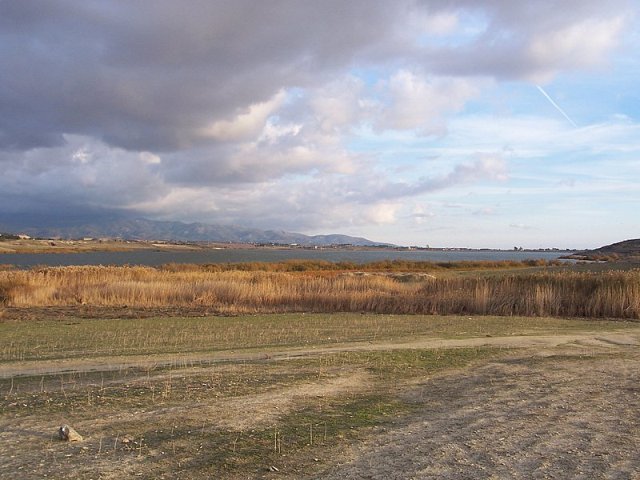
column 154, row 258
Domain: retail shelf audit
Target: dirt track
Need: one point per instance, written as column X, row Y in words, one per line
column 50, row 367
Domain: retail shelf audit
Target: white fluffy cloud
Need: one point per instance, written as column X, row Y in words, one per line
column 582, row 44
column 340, row 104
column 420, row 104
column 246, row 125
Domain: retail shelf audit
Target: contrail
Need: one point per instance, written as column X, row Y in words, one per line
column 564, row 114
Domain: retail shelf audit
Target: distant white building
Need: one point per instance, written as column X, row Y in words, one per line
column 22, row 236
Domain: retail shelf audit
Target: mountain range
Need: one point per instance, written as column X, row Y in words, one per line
column 144, row 229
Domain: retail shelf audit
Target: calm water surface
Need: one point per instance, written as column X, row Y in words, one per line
column 154, row 258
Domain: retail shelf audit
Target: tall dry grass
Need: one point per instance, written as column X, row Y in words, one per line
column 569, row 294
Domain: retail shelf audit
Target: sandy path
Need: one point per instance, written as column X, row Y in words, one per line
column 554, row 417
column 57, row 366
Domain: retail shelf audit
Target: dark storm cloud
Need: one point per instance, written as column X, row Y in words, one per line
column 147, row 75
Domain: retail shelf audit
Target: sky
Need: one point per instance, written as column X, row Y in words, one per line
column 449, row 123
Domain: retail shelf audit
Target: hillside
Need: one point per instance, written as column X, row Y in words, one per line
column 627, row 250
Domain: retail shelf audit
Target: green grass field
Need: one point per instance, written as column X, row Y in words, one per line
column 71, row 337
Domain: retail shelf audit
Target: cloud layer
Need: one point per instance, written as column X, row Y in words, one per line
column 281, row 114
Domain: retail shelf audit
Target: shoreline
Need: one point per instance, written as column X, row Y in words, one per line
column 46, row 246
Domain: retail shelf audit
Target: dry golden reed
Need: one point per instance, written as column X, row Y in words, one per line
column 565, row 293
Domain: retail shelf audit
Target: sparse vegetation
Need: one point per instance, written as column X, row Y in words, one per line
column 184, row 415
column 72, row 337
column 5, row 237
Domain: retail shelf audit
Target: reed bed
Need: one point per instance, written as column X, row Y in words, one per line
column 614, row 294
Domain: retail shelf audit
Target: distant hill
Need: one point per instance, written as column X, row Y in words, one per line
column 628, row 250
column 143, row 229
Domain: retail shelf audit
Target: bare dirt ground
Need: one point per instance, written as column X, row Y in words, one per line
column 565, row 406
column 552, row 416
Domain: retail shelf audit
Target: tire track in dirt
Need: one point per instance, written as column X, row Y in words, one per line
column 255, row 410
